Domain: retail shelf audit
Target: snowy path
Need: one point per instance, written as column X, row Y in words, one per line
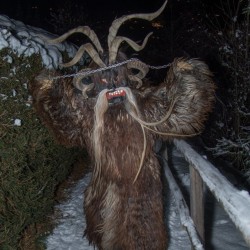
column 221, row 234
column 68, row 235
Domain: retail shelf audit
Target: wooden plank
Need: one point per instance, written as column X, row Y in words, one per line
column 235, row 202
column 197, row 202
column 182, row 207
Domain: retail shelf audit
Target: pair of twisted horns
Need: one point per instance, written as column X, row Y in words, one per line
column 95, row 49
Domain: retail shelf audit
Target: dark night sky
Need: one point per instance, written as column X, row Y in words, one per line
column 99, row 9
column 37, row 12
column 98, row 6
column 178, row 17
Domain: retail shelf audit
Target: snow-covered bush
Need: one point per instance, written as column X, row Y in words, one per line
column 232, row 36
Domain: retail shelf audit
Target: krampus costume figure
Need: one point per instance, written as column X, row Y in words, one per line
column 117, row 118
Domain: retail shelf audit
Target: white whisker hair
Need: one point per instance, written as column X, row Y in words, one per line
column 131, row 106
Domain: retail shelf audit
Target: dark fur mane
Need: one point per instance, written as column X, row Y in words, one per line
column 117, row 117
column 121, row 213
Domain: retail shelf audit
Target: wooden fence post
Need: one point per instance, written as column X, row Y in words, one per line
column 182, row 207
column 197, row 202
column 224, row 191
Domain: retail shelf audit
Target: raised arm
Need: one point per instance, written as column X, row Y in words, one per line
column 181, row 104
column 62, row 109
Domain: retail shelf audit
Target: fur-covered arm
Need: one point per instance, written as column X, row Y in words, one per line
column 62, row 109
column 184, row 99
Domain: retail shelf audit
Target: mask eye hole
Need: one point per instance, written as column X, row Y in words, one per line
column 87, row 80
column 124, row 83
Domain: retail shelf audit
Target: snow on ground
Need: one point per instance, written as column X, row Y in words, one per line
column 220, row 233
column 68, row 235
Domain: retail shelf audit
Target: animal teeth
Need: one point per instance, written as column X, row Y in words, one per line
column 115, row 93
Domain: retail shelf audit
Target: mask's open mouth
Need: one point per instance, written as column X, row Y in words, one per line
column 115, row 96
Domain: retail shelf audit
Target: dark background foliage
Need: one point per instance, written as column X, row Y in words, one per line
column 32, row 165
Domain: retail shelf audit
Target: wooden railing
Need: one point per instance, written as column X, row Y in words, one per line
column 236, row 203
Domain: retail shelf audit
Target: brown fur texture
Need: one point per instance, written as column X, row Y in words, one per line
column 122, row 214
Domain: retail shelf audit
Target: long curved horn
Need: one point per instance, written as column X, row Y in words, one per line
column 119, row 39
column 143, row 70
column 81, row 29
column 88, row 47
column 84, row 88
column 119, row 21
